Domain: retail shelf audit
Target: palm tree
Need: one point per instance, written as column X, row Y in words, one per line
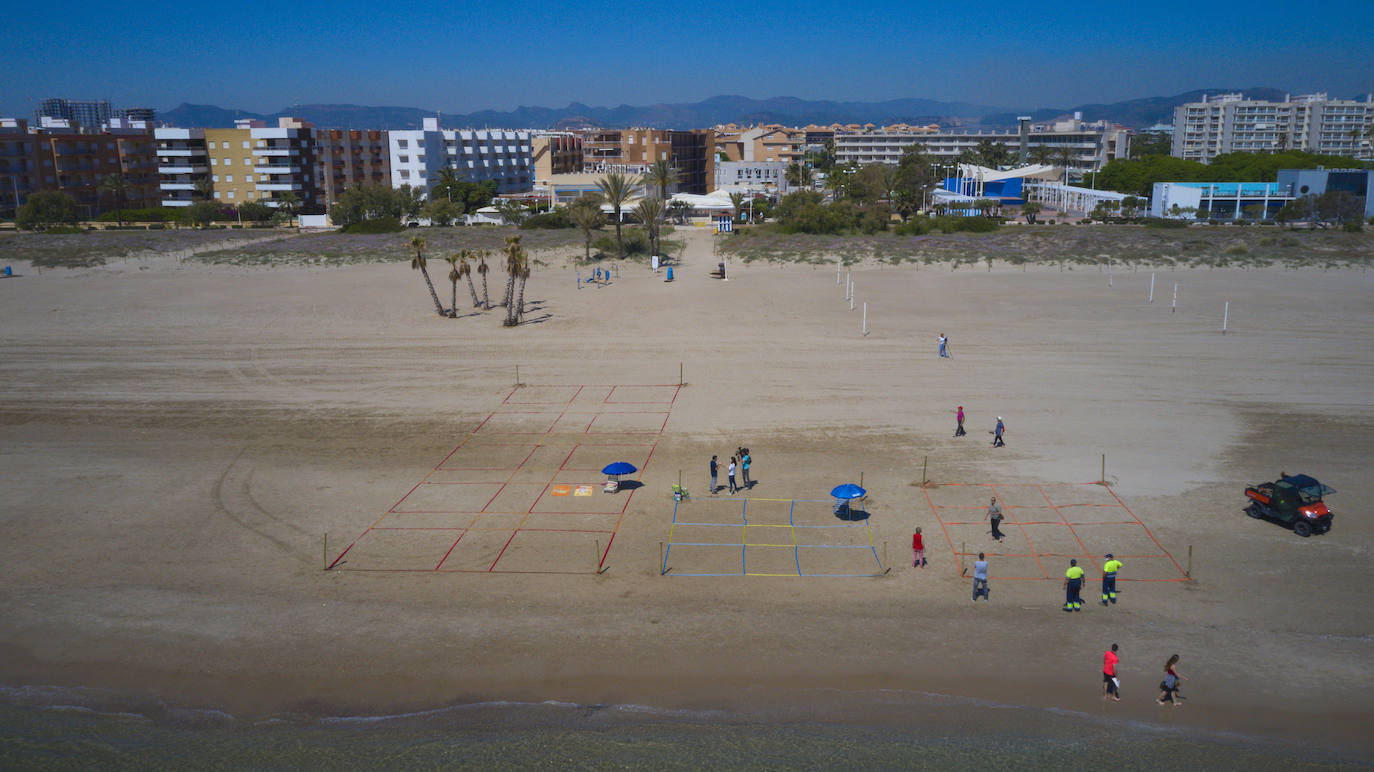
column 482, row 269
column 515, row 266
column 737, row 201
column 520, row 300
column 680, row 210
column 662, row 175
column 587, row 217
column 205, row 190
column 650, row 212
column 798, row 175
column 445, row 181
column 453, row 277
column 418, row 263
column 289, row 202
column 118, row 187
column 465, row 269
column 1041, row 155
column 617, row 188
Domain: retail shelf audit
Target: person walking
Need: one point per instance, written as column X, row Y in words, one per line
column 1109, row 570
column 918, row 549
column 980, row 579
column 1111, row 683
column 995, row 515
column 944, row 343
column 959, row 417
column 1169, row 686
column 715, row 469
column 744, row 459
column 997, row 433
column 1073, row 586
column 731, row 474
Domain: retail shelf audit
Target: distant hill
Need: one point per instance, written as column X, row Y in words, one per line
column 720, row 109
column 1135, row 113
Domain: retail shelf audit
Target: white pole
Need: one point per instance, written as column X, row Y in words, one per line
column 1109, row 272
column 848, row 285
column 851, row 297
column 1225, row 314
column 1175, row 306
column 865, row 328
column 725, row 269
column 1152, row 286
column 837, row 271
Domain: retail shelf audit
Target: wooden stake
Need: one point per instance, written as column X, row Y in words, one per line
column 324, row 553
column 885, row 563
column 1225, row 315
column 1103, row 478
column 679, row 478
column 962, row 550
column 517, row 375
column 660, row 559
column 924, row 461
column 1189, row 573
column 596, row 564
column 861, row 479
column 679, row 373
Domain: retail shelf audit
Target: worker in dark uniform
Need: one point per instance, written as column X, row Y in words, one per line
column 1109, row 570
column 1073, row 587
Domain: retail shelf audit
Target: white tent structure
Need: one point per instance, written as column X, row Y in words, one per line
column 712, row 204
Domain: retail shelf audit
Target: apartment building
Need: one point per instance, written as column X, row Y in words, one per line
column 77, row 162
column 348, row 157
column 766, row 177
column 417, row 156
column 1089, row 147
column 90, row 114
column 556, row 152
column 20, row 165
column 183, row 161
column 1230, row 123
column 760, row 144
column 633, row 151
column 256, row 162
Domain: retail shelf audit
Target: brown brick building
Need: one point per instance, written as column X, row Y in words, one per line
column 633, row 151
column 60, row 156
column 347, row 157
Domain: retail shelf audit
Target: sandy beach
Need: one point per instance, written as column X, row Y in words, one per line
column 177, row 439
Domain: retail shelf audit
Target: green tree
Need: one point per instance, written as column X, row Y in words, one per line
column 662, row 176
column 202, row 213
column 1151, row 143
column 204, row 190
column 512, row 212
column 585, row 213
column 618, row 188
column 837, row 181
column 446, row 184
column 798, row 175
column 993, row 154
column 823, row 159
column 650, row 212
column 737, row 201
column 46, row 208
column 482, row 270
column 118, row 188
column 419, row 263
column 290, row 203
column 441, row 212
column 254, row 211
column 912, row 180
column 453, row 276
column 1030, row 209
column 1339, row 207
column 515, row 267
column 465, row 258
column 680, row 211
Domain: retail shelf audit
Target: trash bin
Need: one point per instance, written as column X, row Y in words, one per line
column 670, row 273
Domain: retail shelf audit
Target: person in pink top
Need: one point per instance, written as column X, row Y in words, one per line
column 1111, row 685
column 959, row 416
column 918, row 549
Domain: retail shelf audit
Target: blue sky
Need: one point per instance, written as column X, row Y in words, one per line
column 263, row 56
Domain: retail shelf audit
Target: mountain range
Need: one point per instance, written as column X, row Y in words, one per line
column 1135, row 113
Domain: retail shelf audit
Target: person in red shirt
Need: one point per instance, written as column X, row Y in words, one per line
column 918, row 549
column 1111, row 686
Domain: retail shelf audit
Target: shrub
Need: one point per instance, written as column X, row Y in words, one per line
column 1164, row 222
column 377, row 225
column 152, row 214
column 917, row 226
column 1236, row 249
column 63, row 230
column 548, row 221
column 1352, row 227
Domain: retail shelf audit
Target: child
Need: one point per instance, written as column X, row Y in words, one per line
column 918, row 549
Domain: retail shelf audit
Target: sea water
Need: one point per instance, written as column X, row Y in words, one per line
column 54, row 728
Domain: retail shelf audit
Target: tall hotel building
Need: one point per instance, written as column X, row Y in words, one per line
column 252, row 162
column 1230, row 123
column 417, row 156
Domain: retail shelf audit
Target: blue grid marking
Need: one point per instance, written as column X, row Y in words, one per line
column 796, row 547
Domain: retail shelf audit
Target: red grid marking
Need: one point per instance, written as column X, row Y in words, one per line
column 1010, row 512
column 474, row 541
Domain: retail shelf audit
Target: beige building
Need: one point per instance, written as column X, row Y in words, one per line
column 760, row 144
column 556, row 153
column 255, row 162
column 230, row 153
column 692, row 153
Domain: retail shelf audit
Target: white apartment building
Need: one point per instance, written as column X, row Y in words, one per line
column 284, row 159
column 766, row 177
column 1090, row 147
column 182, row 161
column 1230, row 123
column 477, row 154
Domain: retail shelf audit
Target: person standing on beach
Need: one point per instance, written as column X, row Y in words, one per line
column 959, row 416
column 943, row 341
column 995, row 515
column 918, row 549
column 744, row 459
column 1109, row 570
column 1169, row 687
column 1073, row 585
column 997, row 433
column 980, row 579
column 731, row 475
column 1111, row 685
column 715, row 469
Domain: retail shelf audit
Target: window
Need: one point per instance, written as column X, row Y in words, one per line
column 401, row 143
column 247, row 178
column 217, row 194
column 213, row 161
column 214, row 178
column 231, row 193
column 245, row 144
column 211, row 143
column 228, row 178
column 405, row 174
column 405, row 159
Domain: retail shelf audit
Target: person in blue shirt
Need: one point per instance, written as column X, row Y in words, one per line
column 980, row 578
column 997, row 433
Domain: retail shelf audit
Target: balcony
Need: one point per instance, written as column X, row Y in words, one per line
column 280, row 186
column 176, row 202
column 277, row 169
column 194, row 169
column 276, row 151
column 178, row 186
column 178, row 151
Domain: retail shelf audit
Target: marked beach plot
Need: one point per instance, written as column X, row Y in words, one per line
column 762, row 537
column 1045, row 526
column 519, row 493
column 642, row 395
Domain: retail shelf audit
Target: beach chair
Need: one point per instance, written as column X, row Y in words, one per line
column 611, row 486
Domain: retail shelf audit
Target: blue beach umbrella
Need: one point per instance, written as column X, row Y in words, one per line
column 848, row 491
column 619, row 468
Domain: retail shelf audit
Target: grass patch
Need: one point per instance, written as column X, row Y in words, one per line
column 86, row 249
column 335, row 248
